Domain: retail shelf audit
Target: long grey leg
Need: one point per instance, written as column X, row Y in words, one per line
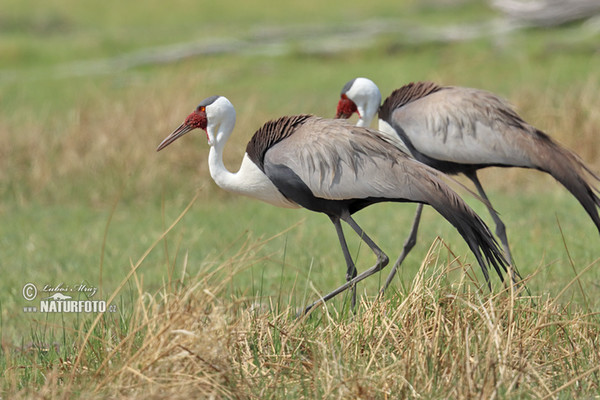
column 351, row 268
column 408, row 245
column 500, row 228
column 382, row 261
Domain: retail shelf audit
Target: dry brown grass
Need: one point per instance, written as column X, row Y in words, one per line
column 571, row 117
column 437, row 340
column 112, row 141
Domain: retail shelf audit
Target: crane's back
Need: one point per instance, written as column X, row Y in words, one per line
column 466, row 126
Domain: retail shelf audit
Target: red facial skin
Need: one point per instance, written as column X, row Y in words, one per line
column 197, row 119
column 345, row 108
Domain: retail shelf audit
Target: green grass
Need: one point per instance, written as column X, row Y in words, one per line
column 84, row 194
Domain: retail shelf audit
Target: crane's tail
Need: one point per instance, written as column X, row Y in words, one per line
column 473, row 230
column 568, row 169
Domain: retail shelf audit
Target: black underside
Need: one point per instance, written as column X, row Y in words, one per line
column 294, row 189
column 468, row 225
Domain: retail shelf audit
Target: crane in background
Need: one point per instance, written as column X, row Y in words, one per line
column 461, row 130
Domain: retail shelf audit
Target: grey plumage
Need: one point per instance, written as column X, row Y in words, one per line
column 458, row 129
column 461, row 130
column 329, row 166
column 332, row 167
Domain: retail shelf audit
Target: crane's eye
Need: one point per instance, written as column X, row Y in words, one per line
column 201, row 109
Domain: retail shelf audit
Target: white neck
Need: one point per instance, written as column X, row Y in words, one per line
column 366, row 117
column 218, row 135
column 367, row 97
column 218, row 171
column 249, row 180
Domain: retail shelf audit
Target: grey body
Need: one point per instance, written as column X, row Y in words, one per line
column 461, row 130
column 332, row 167
column 336, row 168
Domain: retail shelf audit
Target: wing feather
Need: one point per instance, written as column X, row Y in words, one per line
column 467, row 126
column 338, row 161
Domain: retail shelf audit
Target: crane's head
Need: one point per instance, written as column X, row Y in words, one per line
column 215, row 115
column 361, row 96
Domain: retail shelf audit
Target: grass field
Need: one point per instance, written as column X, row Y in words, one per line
column 205, row 296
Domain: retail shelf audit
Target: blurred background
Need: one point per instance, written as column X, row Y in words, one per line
column 89, row 89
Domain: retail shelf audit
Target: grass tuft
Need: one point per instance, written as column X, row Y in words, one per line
column 437, row 338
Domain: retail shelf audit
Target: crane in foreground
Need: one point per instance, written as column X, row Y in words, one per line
column 335, row 168
column 461, row 130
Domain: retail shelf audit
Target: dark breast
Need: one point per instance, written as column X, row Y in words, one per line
column 270, row 134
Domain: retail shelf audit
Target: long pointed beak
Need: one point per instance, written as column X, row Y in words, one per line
column 176, row 134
